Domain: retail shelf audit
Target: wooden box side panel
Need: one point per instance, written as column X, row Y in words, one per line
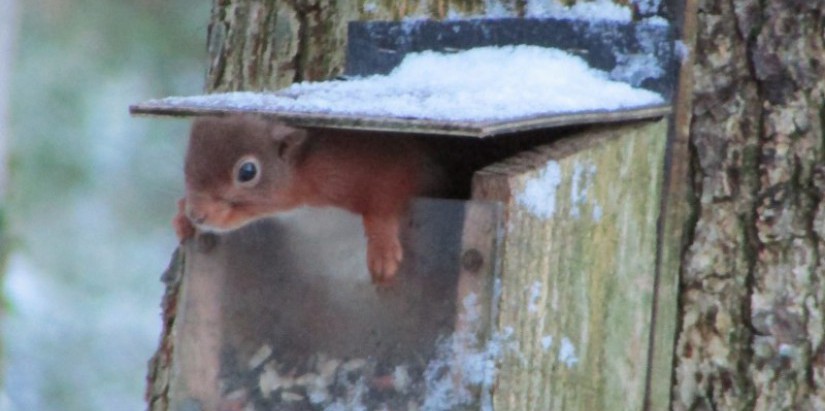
column 578, row 268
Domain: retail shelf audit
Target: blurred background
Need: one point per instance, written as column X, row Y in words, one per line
column 87, row 192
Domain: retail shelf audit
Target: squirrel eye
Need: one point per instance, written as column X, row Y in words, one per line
column 247, row 172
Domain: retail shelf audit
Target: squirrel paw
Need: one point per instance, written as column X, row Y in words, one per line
column 183, row 227
column 383, row 259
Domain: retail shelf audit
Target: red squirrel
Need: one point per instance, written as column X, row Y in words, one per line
column 241, row 168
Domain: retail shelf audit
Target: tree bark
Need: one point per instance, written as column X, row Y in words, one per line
column 266, row 45
column 752, row 275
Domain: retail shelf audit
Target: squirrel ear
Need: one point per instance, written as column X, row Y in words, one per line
column 288, row 140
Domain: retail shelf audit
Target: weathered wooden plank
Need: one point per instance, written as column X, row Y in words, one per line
column 577, row 275
column 199, row 333
column 674, row 218
column 477, row 299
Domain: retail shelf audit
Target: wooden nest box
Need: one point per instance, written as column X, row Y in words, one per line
column 539, row 291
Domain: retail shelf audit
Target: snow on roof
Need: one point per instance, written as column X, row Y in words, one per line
column 591, row 11
column 478, row 85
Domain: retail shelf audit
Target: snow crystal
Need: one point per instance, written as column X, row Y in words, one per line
column 539, row 194
column 598, row 10
column 482, row 84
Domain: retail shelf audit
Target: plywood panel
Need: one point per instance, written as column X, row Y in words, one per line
column 578, row 266
column 175, row 107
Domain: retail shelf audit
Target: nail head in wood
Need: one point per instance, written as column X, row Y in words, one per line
column 472, row 260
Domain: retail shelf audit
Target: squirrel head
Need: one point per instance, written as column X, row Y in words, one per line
column 239, row 168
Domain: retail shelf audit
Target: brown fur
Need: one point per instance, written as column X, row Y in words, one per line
column 374, row 176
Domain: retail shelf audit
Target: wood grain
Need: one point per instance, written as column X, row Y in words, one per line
column 577, row 276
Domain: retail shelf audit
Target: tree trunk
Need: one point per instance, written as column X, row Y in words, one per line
column 752, row 275
column 267, row 45
column 8, row 37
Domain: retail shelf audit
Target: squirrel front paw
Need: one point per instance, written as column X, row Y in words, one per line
column 183, row 227
column 383, row 259
column 384, row 252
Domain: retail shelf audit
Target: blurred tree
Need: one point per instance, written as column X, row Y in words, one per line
column 8, row 36
column 90, row 195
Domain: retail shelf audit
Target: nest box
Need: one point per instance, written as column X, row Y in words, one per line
column 541, row 290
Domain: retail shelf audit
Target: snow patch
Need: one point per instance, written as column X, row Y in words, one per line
column 465, row 355
column 539, row 194
column 656, row 21
column 636, row 68
column 496, row 9
column 370, row 7
column 546, row 342
column 647, row 7
column 599, row 10
column 534, row 299
column 463, row 362
column 597, row 213
column 682, row 50
column 580, row 186
column 482, row 84
column 567, row 353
